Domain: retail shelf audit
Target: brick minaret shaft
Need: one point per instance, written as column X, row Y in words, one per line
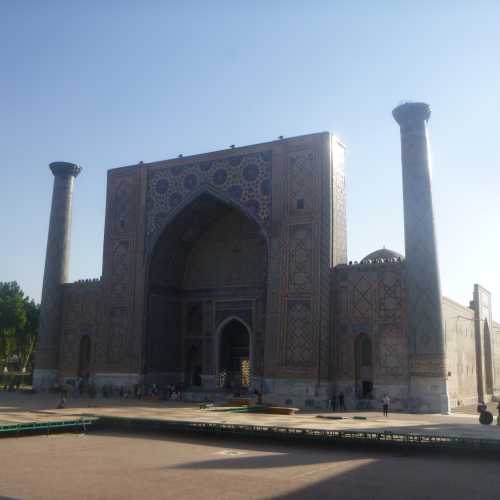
column 55, row 274
column 428, row 388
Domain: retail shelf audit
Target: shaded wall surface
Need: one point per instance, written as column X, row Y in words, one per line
column 460, row 344
column 496, row 355
column 370, row 300
column 82, row 315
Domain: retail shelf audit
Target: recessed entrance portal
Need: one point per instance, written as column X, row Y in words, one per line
column 210, row 261
column 234, row 357
column 364, row 367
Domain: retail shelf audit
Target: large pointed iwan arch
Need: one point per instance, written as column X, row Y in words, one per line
column 210, row 259
column 205, row 191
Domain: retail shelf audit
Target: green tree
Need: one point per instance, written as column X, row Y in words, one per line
column 18, row 325
column 26, row 337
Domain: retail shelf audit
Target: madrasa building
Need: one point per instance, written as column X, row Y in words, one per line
column 227, row 272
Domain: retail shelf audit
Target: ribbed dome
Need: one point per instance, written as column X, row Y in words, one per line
column 384, row 253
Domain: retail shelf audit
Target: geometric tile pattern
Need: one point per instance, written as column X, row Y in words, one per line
column 389, row 295
column 392, row 356
column 56, row 267
column 423, row 287
column 368, row 300
column 119, row 269
column 299, row 347
column 345, row 351
column 70, row 347
column 82, row 315
column 302, row 175
column 300, row 258
column 361, row 305
column 117, row 332
column 244, row 179
column 122, row 204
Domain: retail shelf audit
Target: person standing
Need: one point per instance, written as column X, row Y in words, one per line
column 333, row 401
column 341, row 401
column 63, row 397
column 386, row 401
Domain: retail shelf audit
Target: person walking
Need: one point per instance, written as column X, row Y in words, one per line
column 341, row 401
column 386, row 401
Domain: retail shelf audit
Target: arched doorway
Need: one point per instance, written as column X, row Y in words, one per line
column 211, row 257
column 363, row 353
column 234, row 357
column 84, row 357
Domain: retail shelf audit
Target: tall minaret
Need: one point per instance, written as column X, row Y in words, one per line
column 55, row 274
column 428, row 386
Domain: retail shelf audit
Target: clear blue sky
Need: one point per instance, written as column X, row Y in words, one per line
column 106, row 84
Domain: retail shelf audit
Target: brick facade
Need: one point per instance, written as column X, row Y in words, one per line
column 255, row 235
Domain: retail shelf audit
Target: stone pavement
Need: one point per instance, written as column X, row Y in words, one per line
column 24, row 408
column 109, row 465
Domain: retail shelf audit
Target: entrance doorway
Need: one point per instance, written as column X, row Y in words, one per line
column 234, row 357
column 84, row 357
column 364, row 366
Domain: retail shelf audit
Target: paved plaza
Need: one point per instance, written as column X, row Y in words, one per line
column 118, row 466
column 24, row 408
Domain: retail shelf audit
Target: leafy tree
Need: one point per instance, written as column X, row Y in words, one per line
column 12, row 313
column 18, row 325
column 26, row 337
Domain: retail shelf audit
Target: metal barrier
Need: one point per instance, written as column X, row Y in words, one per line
column 290, row 433
column 294, row 433
column 46, row 427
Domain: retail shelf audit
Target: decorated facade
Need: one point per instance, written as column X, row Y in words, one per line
column 227, row 272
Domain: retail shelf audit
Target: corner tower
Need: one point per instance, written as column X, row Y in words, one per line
column 428, row 386
column 55, row 274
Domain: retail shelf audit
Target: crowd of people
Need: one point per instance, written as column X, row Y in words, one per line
column 86, row 386
column 12, row 386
